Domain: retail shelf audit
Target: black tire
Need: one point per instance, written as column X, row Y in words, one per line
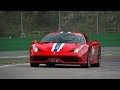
column 50, row 64
column 98, row 59
column 34, row 65
column 87, row 65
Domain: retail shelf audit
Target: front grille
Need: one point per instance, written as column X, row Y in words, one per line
column 64, row 59
column 41, row 58
column 69, row 59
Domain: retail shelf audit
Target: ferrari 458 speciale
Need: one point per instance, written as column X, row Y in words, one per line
column 65, row 48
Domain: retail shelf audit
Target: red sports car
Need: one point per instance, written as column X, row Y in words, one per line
column 65, row 48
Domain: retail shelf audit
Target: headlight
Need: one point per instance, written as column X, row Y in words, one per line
column 35, row 49
column 78, row 49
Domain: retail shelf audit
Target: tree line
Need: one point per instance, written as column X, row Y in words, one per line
column 84, row 21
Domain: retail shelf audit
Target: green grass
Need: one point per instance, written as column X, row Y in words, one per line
column 6, row 44
column 109, row 39
column 16, row 43
column 7, row 62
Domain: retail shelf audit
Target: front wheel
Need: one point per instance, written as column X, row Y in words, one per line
column 98, row 59
column 50, row 64
column 34, row 65
column 87, row 65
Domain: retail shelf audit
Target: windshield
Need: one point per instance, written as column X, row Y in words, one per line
column 63, row 38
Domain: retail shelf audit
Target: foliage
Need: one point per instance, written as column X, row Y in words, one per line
column 84, row 21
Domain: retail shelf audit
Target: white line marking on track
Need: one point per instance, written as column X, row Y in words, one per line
column 13, row 65
column 110, row 55
column 14, row 56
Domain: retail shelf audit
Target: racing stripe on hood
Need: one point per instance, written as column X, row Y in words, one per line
column 60, row 47
column 57, row 46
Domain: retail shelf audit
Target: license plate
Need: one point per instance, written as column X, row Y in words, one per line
column 54, row 61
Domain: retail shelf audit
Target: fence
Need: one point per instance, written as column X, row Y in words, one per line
column 36, row 23
column 109, row 30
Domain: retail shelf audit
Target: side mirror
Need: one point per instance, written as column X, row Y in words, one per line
column 34, row 41
column 93, row 43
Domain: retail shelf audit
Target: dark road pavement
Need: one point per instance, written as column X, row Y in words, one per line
column 109, row 69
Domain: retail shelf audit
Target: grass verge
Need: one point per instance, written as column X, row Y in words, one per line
column 7, row 62
column 108, row 39
column 7, row 44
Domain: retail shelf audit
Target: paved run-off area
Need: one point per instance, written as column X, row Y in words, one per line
column 109, row 69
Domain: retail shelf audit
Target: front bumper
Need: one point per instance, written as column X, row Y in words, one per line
column 58, row 58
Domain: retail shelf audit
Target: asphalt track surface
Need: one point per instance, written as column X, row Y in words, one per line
column 109, row 69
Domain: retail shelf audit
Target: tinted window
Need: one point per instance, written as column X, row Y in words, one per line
column 63, row 38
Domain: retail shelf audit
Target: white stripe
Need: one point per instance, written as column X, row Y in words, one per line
column 13, row 65
column 53, row 47
column 15, row 56
column 60, row 47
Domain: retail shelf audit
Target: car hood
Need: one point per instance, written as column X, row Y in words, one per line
column 60, row 47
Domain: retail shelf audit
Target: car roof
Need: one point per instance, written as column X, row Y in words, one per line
column 80, row 33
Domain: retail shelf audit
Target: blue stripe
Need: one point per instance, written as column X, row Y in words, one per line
column 57, row 47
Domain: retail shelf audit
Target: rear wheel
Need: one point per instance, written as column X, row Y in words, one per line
column 98, row 59
column 34, row 65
